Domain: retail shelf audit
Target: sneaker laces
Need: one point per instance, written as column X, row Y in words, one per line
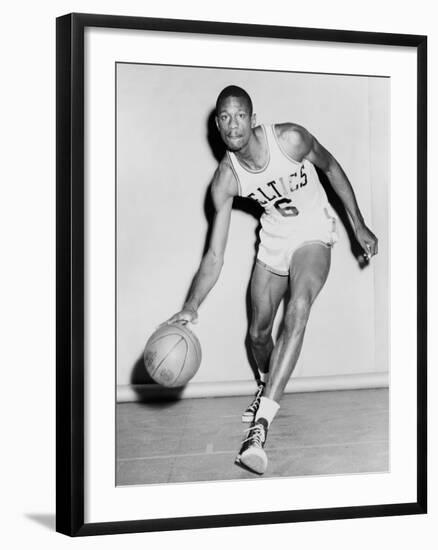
column 255, row 404
column 258, row 435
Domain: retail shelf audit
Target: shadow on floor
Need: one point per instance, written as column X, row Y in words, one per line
column 147, row 390
column 46, row 520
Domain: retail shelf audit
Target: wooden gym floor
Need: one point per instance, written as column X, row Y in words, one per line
column 319, row 433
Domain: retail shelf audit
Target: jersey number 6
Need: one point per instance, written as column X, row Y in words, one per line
column 285, row 207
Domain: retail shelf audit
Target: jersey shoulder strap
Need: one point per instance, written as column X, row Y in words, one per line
column 278, row 155
column 235, row 169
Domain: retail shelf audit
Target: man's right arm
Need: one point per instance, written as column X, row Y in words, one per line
column 223, row 190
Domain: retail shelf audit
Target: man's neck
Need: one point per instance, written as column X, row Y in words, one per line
column 255, row 154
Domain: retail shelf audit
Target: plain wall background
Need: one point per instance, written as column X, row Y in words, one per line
column 27, row 279
column 164, row 166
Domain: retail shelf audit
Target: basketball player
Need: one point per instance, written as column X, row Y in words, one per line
column 275, row 166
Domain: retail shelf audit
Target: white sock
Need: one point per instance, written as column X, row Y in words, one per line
column 268, row 409
column 263, row 376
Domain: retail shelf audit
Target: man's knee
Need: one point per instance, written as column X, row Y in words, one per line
column 259, row 336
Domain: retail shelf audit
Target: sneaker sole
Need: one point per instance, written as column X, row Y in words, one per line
column 255, row 462
column 246, row 418
column 237, row 462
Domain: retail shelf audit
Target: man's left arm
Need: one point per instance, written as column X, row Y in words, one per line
column 318, row 155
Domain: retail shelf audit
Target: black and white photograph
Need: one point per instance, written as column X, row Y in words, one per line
column 240, row 299
column 252, row 274
column 216, row 275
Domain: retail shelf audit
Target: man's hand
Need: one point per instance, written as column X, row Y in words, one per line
column 367, row 240
column 186, row 315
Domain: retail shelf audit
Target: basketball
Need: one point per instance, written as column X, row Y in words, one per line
column 172, row 355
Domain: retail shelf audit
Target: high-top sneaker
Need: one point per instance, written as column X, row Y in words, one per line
column 252, row 455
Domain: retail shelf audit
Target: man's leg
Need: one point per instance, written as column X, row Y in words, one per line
column 308, row 272
column 267, row 290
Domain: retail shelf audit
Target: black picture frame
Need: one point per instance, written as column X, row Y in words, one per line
column 70, row 272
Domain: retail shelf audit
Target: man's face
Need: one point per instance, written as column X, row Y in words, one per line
column 234, row 122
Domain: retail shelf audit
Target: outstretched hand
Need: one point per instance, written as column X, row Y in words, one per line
column 184, row 316
column 367, row 240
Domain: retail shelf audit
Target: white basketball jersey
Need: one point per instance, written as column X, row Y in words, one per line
column 289, row 191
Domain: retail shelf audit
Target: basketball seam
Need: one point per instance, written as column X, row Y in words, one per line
column 184, row 362
column 195, row 343
column 170, row 351
column 187, row 333
column 164, row 336
column 150, row 341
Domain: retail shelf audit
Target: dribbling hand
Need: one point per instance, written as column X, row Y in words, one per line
column 184, row 316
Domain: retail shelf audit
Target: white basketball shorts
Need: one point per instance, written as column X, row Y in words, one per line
column 278, row 242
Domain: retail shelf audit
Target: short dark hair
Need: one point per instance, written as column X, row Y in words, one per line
column 233, row 91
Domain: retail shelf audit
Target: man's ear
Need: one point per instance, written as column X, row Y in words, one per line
column 217, row 122
column 253, row 120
